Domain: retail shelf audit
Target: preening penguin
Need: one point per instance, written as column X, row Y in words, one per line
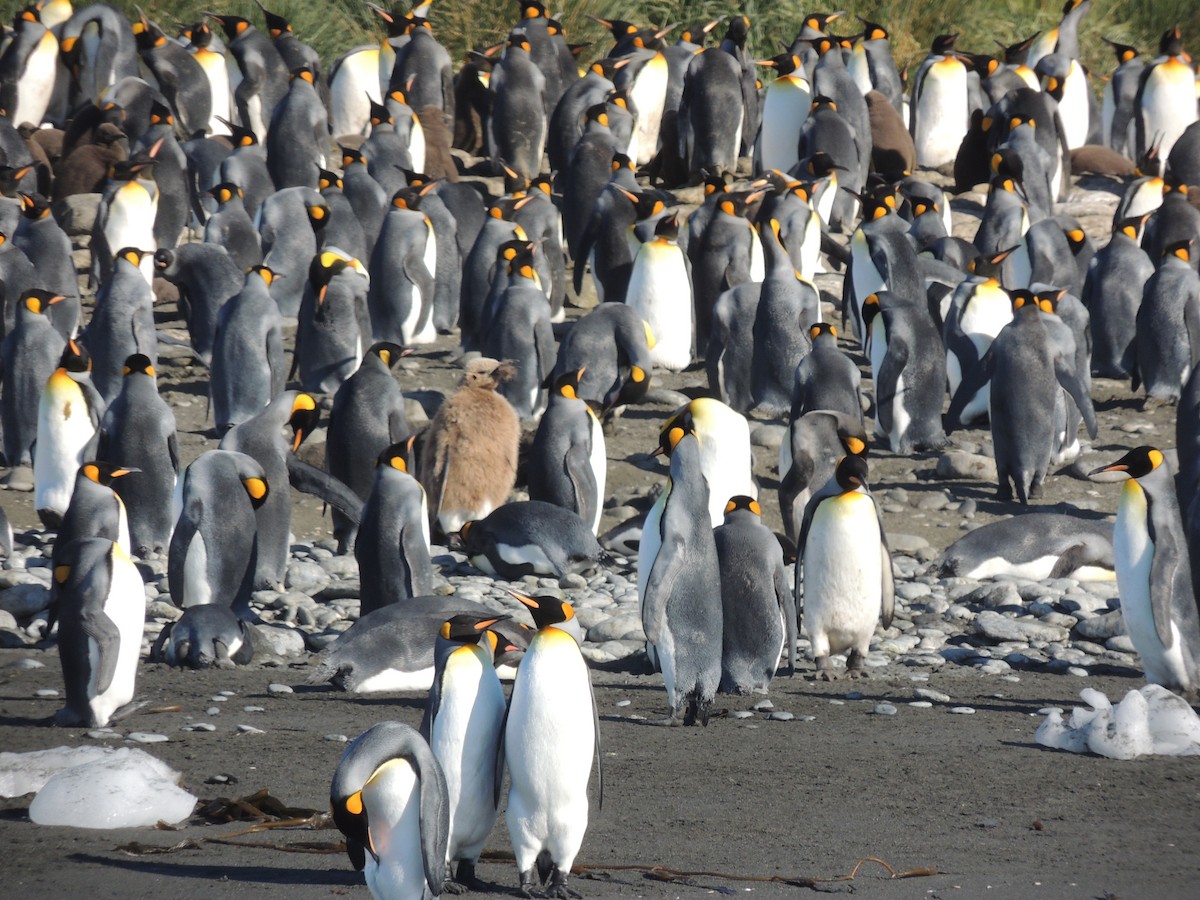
column 1154, row 572
column 389, row 799
column 846, row 569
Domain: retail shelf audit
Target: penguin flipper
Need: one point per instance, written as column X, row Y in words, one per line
column 435, row 815
column 181, row 539
column 103, row 630
column 311, row 480
column 596, row 746
column 432, row 704
column 787, row 607
column 498, row 783
column 967, row 388
column 578, row 465
column 659, row 587
column 889, row 376
column 1070, row 381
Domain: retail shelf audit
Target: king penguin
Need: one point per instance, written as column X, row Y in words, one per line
column 68, row 432
column 679, row 582
column 1166, row 96
column 725, row 458
column 660, row 291
column 785, row 110
column 940, row 105
column 517, row 125
column 389, row 799
column 567, row 463
column 759, row 610
column 551, row 736
column 464, row 722
column 1158, row 600
column 845, row 567
column 101, row 610
column 28, row 356
column 247, row 365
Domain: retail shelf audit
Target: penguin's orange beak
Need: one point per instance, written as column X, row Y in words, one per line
column 528, row 601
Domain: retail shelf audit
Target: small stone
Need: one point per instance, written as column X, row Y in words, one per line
column 931, row 694
column 921, row 704
column 572, row 580
column 279, row 689
column 1077, row 671
column 27, row 663
column 624, row 703
column 987, row 823
column 336, row 738
column 806, row 718
column 219, row 698
column 906, row 543
column 221, row 778
column 957, row 464
column 963, row 710
column 146, row 737
column 213, row 711
column 742, row 714
column 781, row 716
column 199, row 726
column 253, row 709
column 768, row 436
column 103, row 734
column 250, row 729
column 854, row 695
column 993, row 596
column 46, row 693
column 763, row 705
column 884, row 709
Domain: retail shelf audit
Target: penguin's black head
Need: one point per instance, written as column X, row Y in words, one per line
column 304, row 73
column 873, row 31
column 388, row 352
column 232, row 25
column 677, row 427
column 1006, row 163
column 1179, row 250
column 818, row 22
column 1171, row 43
column 822, row 329
column 147, row 35
column 851, row 472
column 567, row 384
column 606, row 68
column 695, row 34
column 138, row 364
column 1047, row 300
column 822, row 102
column 1014, row 54
column 200, row 35
column 1076, row 238
column 30, row 13
column 618, row 27
column 621, row 161
column 103, row 473
column 1131, row 227
column 522, row 263
column 1174, row 185
column 1022, row 298
column 318, row 216
column 645, row 203
column 989, row 266
column 1134, row 464
column 380, row 114
column 399, row 455
column 741, row 501
column 543, row 183
column 715, row 183
column 870, row 310
column 878, row 203
column 1124, row 52
column 821, row 164
column 514, row 181
column 943, row 44
column 38, row 301
column 407, row 198
column 597, row 113
column 984, row 65
column 546, row 611
column 667, row 227
column 160, row 114
column 532, row 9
column 239, row 136
column 350, row 156
column 131, row 255
column 34, row 206
column 737, row 203
column 225, row 191
column 263, row 272
column 468, row 628
column 303, row 419
column 853, row 442
column 619, row 98
column 518, row 40
column 277, row 25
column 75, row 358
column 163, row 259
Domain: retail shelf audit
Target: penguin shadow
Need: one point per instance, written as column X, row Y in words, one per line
column 224, row 871
column 967, row 206
column 384, row 698
column 1102, row 183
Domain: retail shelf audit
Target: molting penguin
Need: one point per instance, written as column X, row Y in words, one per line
column 551, row 736
column 392, row 544
column 846, row 569
column 758, row 609
column 679, row 582
column 389, row 799
column 331, row 320
column 101, row 610
column 1154, row 572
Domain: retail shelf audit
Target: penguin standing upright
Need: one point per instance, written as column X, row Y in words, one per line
column 711, row 114
column 845, row 567
column 41, row 239
column 207, row 278
column 464, row 723
column 231, row 227
column 122, row 323
column 178, row 200
column 68, row 432
column 96, row 509
column 400, row 299
column 99, row 49
column 366, row 196
column 29, row 355
column 1112, row 292
column 365, row 419
column 288, row 247
column 1166, row 96
column 1154, row 572
column 815, row 441
column 758, row 608
column 722, row 258
column 1167, row 338
column 264, row 77
column 389, row 799
column 785, row 110
column 246, row 166
column 28, row 68
column 298, row 139
column 468, row 460
column 138, row 430
column 551, row 736
column 1120, row 98
column 679, row 582
column 940, row 105
column 392, row 543
column 979, row 309
column 101, row 610
column 126, row 214
column 567, row 463
column 216, row 72
column 520, row 331
column 517, row 126
column 247, row 364
column 331, row 321
column 660, row 292
column 425, row 64
column 179, row 75
column 448, row 256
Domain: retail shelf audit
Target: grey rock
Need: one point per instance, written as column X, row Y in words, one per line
column 1101, row 628
column 993, row 596
column 957, row 465
column 280, row 640
column 884, row 709
column 305, row 576
column 146, row 737
column 1001, row 628
column 906, row 543
column 24, row 600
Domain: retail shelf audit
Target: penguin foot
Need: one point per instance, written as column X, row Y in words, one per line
column 451, row 886
column 530, row 884
column 825, row 670
column 465, row 879
column 856, row 665
column 559, row 888
column 858, row 674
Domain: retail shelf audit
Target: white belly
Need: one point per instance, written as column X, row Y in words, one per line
column 464, row 738
column 1169, row 102
column 599, row 462
column 810, row 249
column 217, row 74
column 64, row 430
column 126, row 607
column 843, row 575
column 397, row 680
column 351, row 93
column 758, row 265
column 36, row 85
column 726, row 461
column 1074, row 107
column 526, row 555
column 649, row 93
column 942, row 114
column 651, row 542
column 416, row 147
column 1146, row 199
column 130, row 221
column 197, row 589
column 784, row 113
column 659, row 293
column 866, row 277
column 392, row 800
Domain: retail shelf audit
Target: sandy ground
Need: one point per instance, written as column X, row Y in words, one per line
column 969, row 800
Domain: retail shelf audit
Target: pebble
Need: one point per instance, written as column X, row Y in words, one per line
column 931, row 694
column 624, row 703
column 336, row 738
column 921, row 704
column 963, row 710
column 146, row 737
column 46, row 693
column 253, row 709
column 27, row 663
column 279, row 689
column 1077, row 671
column 213, row 711
column 219, row 698
column 854, row 695
column 199, row 726
column 884, row 709
column 762, row 705
column 103, row 734
column 781, row 716
column 250, row 729
column 742, row 714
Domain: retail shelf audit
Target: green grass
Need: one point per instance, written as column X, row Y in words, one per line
column 334, row 26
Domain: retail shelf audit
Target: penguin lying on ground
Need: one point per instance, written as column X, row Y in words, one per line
column 1036, row 546
column 531, row 537
column 204, row 636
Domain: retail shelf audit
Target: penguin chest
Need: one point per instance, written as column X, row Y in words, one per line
column 125, row 606
column 1133, row 552
column 726, row 463
column 130, row 221
column 784, row 114
column 843, row 574
column 1074, row 106
column 660, row 293
column 598, row 459
column 942, row 113
column 649, row 94
column 550, row 735
column 64, row 430
column 758, row 264
column 392, row 800
column 416, row 147
column 651, row 542
column 464, row 738
column 1169, row 101
column 36, row 85
column 217, row 75
column 355, row 84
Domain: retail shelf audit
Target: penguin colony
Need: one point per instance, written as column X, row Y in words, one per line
column 344, row 204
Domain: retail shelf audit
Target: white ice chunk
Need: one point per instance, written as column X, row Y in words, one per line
column 25, row 773
column 127, row 788
column 1151, row 720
